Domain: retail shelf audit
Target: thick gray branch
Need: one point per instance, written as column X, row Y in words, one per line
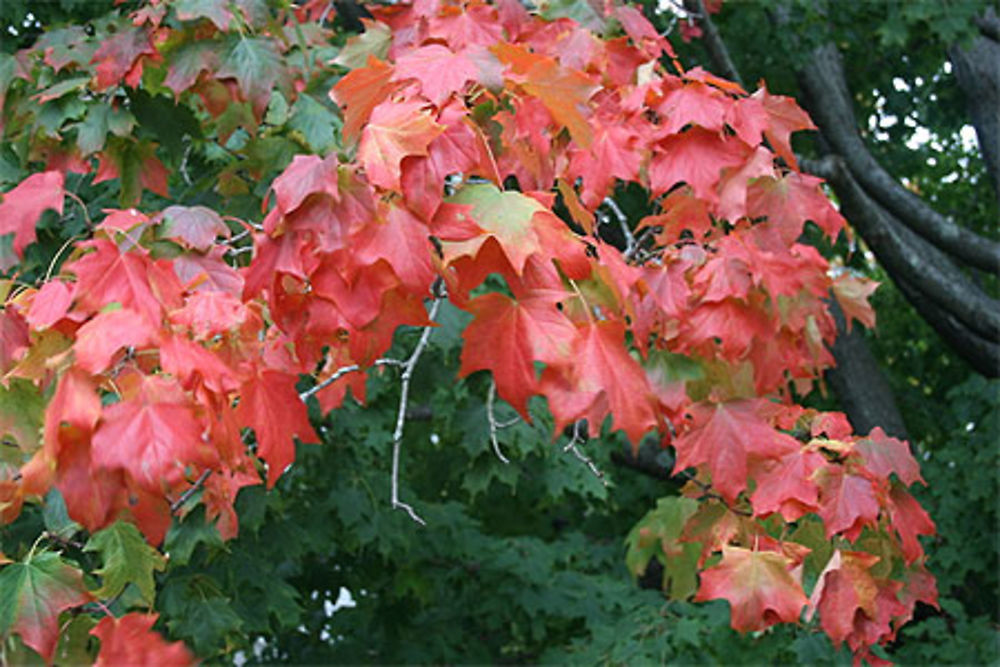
column 929, row 273
column 822, row 78
column 859, row 383
column 983, row 355
column 722, row 63
column 977, row 69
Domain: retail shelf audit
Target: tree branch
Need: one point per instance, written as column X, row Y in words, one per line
column 344, row 370
column 823, row 80
column 404, row 396
column 977, row 70
column 573, row 446
column 494, row 426
column 972, row 314
column 861, row 388
column 722, row 63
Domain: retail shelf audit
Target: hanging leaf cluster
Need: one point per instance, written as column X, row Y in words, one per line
column 466, row 151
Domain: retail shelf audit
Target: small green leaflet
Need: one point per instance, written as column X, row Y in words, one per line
column 128, row 559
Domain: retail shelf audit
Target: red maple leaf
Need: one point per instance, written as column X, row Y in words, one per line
column 75, row 408
column 508, row 336
column 399, row 238
column 118, row 58
column 15, row 338
column 305, row 176
column 883, row 455
column 220, row 494
column 847, row 502
column 788, row 201
column 360, row 91
column 270, row 406
column 394, row 131
column 759, row 586
column 196, row 226
column 153, row 435
column 208, row 272
column 210, row 313
column 601, row 379
column 723, row 436
column 109, row 275
column 696, row 157
column 440, row 71
column 21, row 207
column 130, row 640
column 909, row 519
column 784, row 117
column 786, row 486
column 852, row 294
column 563, row 91
column 50, row 304
column 98, row 340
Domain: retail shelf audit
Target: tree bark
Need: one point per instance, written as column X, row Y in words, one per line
column 823, row 81
column 859, row 384
column 928, row 280
column 977, row 69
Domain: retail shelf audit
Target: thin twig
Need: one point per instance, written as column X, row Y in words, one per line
column 490, row 399
column 404, row 396
column 55, row 258
column 198, row 483
column 572, row 446
column 622, row 219
column 342, row 371
column 633, row 253
column 86, row 213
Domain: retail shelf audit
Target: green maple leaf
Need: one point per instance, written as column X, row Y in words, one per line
column 33, row 594
column 128, row 559
column 257, row 67
column 315, row 122
column 21, row 408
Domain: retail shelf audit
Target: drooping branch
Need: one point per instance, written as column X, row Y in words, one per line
column 722, row 63
column 864, row 393
column 404, row 397
column 823, row 80
column 973, row 318
column 983, row 354
column 977, row 70
column 857, row 379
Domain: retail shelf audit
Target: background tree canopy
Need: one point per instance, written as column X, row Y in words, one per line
column 526, row 562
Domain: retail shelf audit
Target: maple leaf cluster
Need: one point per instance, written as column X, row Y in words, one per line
column 478, row 140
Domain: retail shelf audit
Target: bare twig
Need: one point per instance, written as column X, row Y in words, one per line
column 404, row 395
column 636, row 252
column 344, row 370
column 620, row 216
column 490, row 399
column 572, row 446
column 86, row 213
column 198, row 483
